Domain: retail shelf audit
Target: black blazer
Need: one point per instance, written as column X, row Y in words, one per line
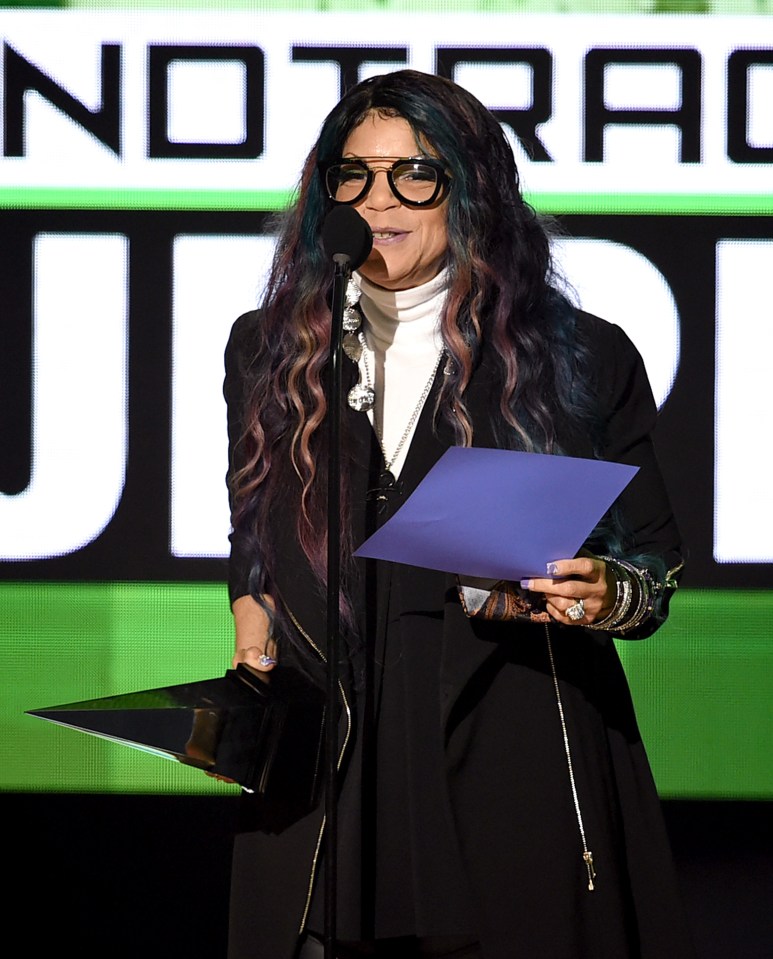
column 508, row 778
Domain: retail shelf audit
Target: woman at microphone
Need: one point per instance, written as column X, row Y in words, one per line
column 495, row 800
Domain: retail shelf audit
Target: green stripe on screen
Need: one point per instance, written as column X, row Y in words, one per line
column 272, row 200
column 399, row 7
column 654, row 203
column 62, row 643
column 702, row 685
column 52, row 199
column 703, row 688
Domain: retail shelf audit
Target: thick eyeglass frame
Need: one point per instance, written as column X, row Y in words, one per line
column 441, row 178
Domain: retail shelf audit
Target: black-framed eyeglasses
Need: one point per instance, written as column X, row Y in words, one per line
column 415, row 181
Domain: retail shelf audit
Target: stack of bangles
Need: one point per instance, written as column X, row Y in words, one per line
column 637, row 593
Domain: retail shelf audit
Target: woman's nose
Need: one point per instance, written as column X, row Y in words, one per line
column 380, row 195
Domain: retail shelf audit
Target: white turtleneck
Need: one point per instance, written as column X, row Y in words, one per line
column 403, row 347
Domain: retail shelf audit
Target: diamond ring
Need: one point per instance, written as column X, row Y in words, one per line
column 577, row 611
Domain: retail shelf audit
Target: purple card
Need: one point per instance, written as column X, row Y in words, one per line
column 499, row 514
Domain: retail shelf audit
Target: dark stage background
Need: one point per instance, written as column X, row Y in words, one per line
column 127, row 877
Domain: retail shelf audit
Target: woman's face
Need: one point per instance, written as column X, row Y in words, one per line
column 409, row 243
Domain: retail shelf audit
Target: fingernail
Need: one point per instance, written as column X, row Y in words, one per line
column 525, row 584
column 552, row 569
column 267, row 660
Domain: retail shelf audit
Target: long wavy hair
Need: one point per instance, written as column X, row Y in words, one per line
column 502, row 290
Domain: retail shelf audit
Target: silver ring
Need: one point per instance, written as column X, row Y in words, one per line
column 576, row 612
column 267, row 660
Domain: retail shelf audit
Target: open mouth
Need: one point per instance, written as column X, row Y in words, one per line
column 387, row 234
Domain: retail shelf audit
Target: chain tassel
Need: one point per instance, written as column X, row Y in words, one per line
column 588, row 857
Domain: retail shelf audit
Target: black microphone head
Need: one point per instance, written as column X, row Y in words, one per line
column 346, row 236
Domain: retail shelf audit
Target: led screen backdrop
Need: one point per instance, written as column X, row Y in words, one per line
column 144, row 154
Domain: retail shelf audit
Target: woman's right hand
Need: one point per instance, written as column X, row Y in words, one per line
column 254, row 646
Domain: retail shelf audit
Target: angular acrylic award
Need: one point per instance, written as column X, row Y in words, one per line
column 263, row 731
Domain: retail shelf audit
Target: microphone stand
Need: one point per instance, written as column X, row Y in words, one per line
column 340, row 280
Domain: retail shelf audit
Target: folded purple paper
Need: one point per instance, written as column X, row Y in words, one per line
column 499, row 514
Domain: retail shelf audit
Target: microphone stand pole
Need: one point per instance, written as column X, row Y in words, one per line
column 340, row 279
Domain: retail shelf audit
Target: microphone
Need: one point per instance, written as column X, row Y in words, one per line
column 346, row 237
column 347, row 240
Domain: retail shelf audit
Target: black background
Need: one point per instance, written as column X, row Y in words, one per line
column 134, row 546
column 126, row 877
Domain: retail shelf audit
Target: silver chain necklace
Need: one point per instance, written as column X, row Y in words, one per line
column 389, row 461
column 362, row 396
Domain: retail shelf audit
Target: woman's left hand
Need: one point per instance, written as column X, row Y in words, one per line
column 582, row 586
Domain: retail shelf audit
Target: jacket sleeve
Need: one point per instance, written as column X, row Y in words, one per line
column 654, row 541
column 239, row 353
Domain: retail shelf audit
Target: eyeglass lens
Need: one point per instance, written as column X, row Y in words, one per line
column 410, row 180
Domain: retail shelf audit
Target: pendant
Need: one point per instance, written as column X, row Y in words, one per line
column 361, row 398
column 352, row 347
column 351, row 319
column 387, row 487
column 353, row 293
column 386, row 480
